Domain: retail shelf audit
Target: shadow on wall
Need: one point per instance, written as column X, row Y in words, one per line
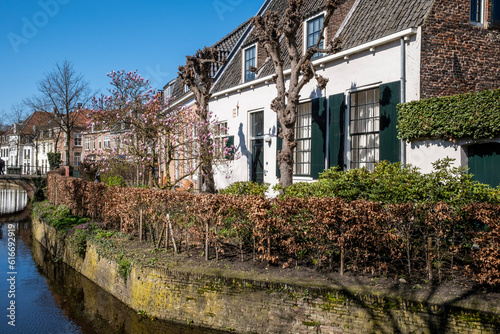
column 439, row 309
column 439, row 143
column 242, row 144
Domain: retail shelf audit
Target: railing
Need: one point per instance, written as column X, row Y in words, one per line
column 25, row 170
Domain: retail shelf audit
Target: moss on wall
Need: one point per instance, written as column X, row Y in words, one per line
column 246, row 306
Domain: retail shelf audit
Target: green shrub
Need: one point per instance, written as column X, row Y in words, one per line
column 78, row 242
column 38, row 196
column 393, row 183
column 124, row 266
column 115, row 181
column 245, row 188
column 54, row 160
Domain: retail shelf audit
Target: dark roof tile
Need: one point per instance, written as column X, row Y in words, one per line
column 370, row 20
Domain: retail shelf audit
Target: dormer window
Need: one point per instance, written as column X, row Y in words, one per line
column 249, row 62
column 168, row 92
column 186, row 88
column 313, row 32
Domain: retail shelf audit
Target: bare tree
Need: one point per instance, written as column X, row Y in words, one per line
column 270, row 32
column 17, row 116
column 196, row 75
column 63, row 93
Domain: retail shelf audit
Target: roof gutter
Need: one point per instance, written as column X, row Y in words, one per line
column 324, row 60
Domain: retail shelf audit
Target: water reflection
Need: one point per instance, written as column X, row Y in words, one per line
column 53, row 298
column 13, row 199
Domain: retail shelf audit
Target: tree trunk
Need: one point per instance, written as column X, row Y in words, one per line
column 285, row 157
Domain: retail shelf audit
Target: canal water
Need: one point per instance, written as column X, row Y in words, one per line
column 38, row 295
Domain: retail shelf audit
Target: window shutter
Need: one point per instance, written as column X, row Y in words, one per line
column 279, row 145
column 229, row 145
column 495, row 13
column 318, row 137
column 483, row 163
column 389, row 143
column 337, row 126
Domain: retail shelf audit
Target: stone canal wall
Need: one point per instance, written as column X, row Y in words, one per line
column 250, row 306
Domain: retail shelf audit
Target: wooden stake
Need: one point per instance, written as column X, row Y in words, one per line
column 429, row 257
column 206, row 241
column 140, row 224
column 172, row 233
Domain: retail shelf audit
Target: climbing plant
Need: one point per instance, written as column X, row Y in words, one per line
column 471, row 115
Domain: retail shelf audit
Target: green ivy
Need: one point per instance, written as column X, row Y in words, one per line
column 471, row 115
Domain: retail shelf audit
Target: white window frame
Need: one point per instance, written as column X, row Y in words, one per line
column 482, row 12
column 107, row 141
column 307, row 139
column 87, row 143
column 77, row 139
column 305, row 32
column 75, row 156
column 244, row 60
column 349, row 142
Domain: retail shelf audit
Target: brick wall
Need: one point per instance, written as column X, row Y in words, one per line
column 245, row 305
column 458, row 57
column 338, row 17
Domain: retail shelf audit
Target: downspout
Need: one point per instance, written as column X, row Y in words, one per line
column 403, row 94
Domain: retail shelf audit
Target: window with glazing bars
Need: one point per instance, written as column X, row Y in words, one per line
column 476, row 7
column 364, row 128
column 313, row 33
column 249, row 63
column 302, row 153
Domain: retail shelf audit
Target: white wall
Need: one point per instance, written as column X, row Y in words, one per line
column 422, row 154
column 359, row 71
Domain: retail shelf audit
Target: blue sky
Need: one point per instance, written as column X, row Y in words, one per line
column 152, row 37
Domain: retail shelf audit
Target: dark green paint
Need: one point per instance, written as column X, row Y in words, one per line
column 389, row 143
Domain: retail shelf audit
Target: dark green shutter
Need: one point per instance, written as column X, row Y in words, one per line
column 389, row 143
column 484, row 160
column 495, row 13
column 229, row 145
column 279, row 145
column 318, row 137
column 336, row 134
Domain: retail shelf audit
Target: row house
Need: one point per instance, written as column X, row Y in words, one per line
column 24, row 146
column 392, row 52
column 179, row 95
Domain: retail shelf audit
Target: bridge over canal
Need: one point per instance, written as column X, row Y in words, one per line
column 27, row 182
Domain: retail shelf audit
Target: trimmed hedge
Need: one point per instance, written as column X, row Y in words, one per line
column 412, row 240
column 471, row 115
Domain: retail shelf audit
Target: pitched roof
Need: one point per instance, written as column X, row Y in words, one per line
column 225, row 47
column 368, row 20
column 40, row 119
column 374, row 19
